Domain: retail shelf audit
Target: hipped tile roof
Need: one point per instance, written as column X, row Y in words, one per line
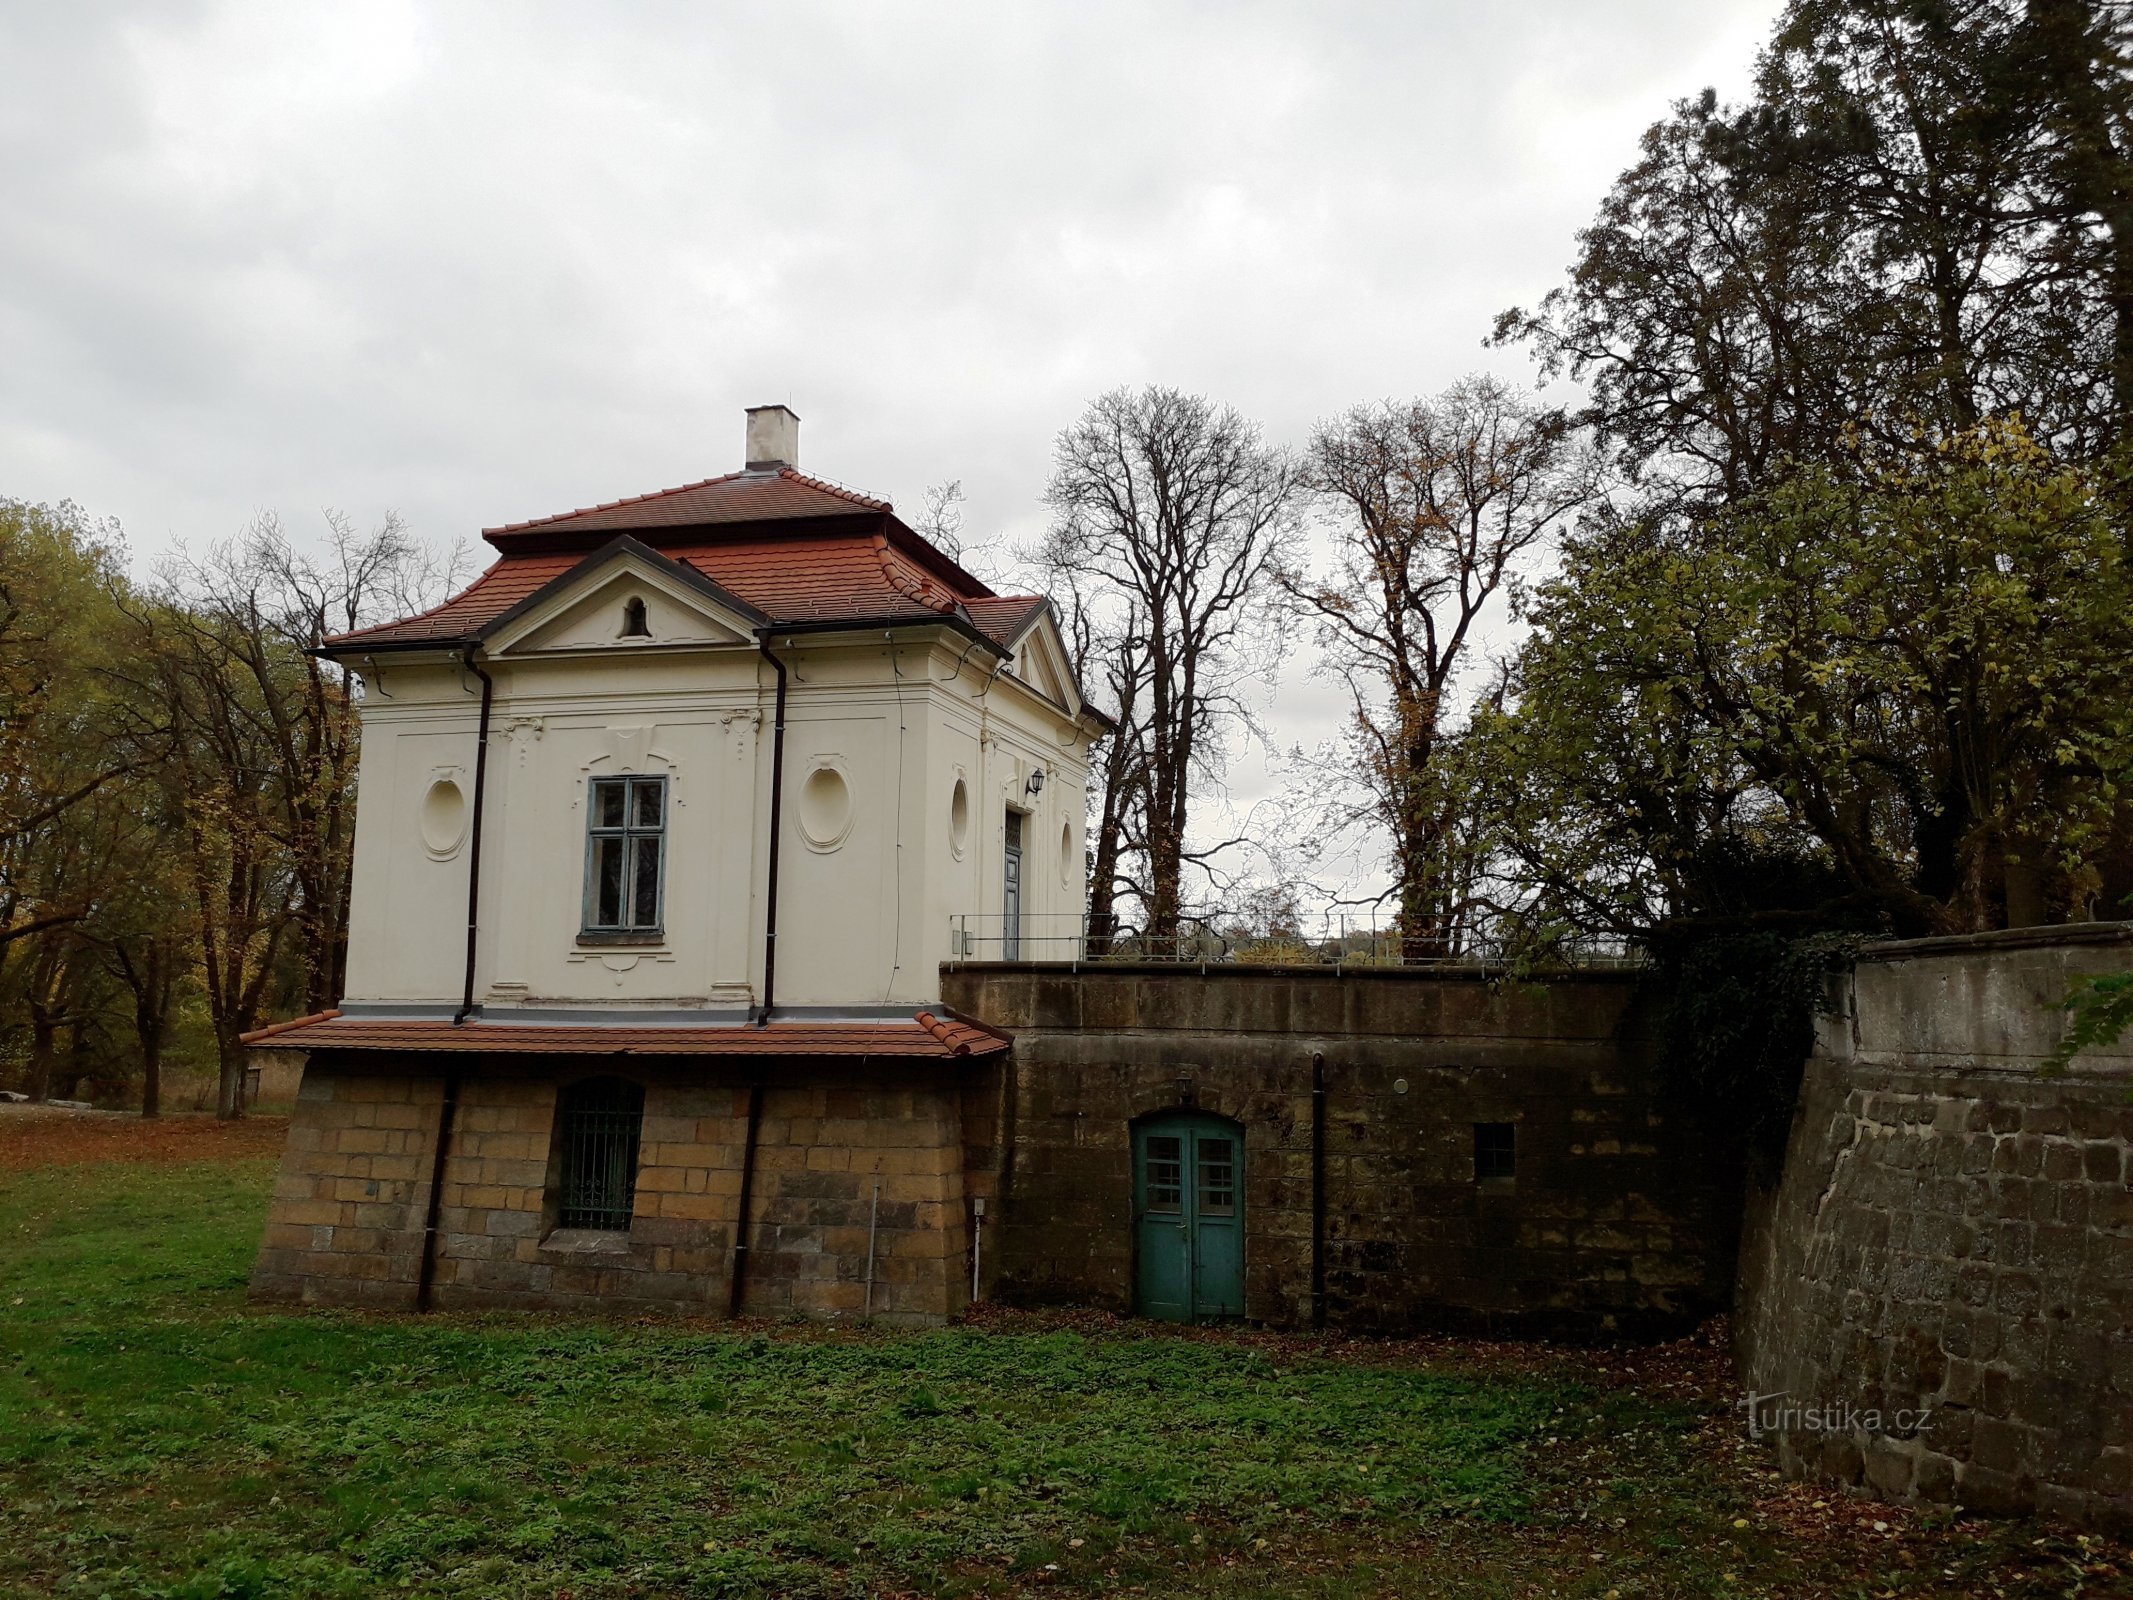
column 925, row 1036
column 736, row 497
column 800, row 551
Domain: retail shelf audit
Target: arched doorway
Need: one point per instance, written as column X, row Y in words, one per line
column 1188, row 1217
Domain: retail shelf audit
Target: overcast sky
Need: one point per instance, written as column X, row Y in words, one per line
column 482, row 262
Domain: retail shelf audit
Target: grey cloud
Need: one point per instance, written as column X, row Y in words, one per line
column 480, row 262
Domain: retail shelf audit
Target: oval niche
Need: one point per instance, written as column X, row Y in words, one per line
column 1066, row 853
column 825, row 808
column 444, row 817
column 959, row 815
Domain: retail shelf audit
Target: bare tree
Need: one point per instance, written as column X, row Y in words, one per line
column 1436, row 502
column 259, row 607
column 1175, row 512
column 1109, row 649
column 942, row 519
column 257, row 738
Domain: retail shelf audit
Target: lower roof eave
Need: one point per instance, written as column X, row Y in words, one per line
column 922, row 1037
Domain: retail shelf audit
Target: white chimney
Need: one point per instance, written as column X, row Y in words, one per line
column 773, row 438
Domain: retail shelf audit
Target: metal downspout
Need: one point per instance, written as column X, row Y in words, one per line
column 777, row 828
column 1318, row 1188
column 448, row 1106
column 738, row 1279
column 481, row 785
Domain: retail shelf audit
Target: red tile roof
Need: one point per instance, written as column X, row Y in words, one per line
column 924, row 1037
column 799, row 550
column 1004, row 616
column 737, row 497
column 791, row 580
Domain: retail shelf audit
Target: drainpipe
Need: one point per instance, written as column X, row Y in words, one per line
column 481, row 783
column 777, row 809
column 1318, row 1188
column 738, row 1278
column 446, row 1114
column 448, row 1108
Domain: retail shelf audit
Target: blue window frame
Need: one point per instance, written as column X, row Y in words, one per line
column 625, row 855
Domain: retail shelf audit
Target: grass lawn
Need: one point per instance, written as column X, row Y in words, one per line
column 159, row 1438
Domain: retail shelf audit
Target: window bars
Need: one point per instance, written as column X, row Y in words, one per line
column 625, row 850
column 598, row 1123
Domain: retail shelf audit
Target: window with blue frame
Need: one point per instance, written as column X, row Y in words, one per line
column 625, row 855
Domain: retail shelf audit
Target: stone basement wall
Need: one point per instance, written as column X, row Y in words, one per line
column 1621, row 1219
column 1954, row 1233
column 349, row 1208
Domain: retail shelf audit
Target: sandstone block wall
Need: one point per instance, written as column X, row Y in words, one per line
column 1953, row 1236
column 353, row 1191
column 352, row 1200
column 1621, row 1218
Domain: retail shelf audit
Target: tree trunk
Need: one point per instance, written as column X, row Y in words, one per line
column 1165, row 898
column 1103, row 886
column 229, row 1089
column 150, row 1031
column 44, row 1054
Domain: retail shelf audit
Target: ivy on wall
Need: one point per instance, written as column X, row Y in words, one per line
column 1738, row 1022
column 2102, row 1011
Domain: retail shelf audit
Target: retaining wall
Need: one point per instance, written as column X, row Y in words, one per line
column 1952, row 1238
column 1621, row 1217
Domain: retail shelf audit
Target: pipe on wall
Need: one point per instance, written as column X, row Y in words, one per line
column 447, row 1113
column 448, row 1107
column 481, row 784
column 1318, row 1188
column 777, row 828
column 737, row 1280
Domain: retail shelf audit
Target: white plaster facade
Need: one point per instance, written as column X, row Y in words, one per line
column 906, row 749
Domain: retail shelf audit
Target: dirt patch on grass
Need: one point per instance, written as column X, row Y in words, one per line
column 48, row 1136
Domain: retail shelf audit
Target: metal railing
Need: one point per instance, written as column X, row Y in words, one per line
column 1340, row 941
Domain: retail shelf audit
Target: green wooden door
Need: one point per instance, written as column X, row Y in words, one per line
column 1188, row 1209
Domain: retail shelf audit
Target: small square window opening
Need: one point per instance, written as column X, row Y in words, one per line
column 1495, row 1150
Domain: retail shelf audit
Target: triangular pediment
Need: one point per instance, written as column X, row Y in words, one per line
column 624, row 597
column 1041, row 662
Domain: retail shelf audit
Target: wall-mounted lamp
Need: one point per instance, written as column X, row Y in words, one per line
column 1036, row 782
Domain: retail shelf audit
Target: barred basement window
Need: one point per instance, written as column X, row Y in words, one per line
column 597, row 1125
column 1495, row 1150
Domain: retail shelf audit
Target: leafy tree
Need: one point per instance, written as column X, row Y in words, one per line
column 2100, row 1012
column 1911, row 670
column 1920, row 217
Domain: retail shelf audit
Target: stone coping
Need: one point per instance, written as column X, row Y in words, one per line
column 2064, row 933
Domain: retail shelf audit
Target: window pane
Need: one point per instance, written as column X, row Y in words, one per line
column 1166, row 1173
column 607, row 883
column 644, row 902
column 1218, row 1176
column 607, row 802
column 650, row 794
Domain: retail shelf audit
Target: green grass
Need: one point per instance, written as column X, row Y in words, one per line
column 157, row 1438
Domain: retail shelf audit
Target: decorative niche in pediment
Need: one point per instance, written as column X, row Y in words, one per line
column 627, row 605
